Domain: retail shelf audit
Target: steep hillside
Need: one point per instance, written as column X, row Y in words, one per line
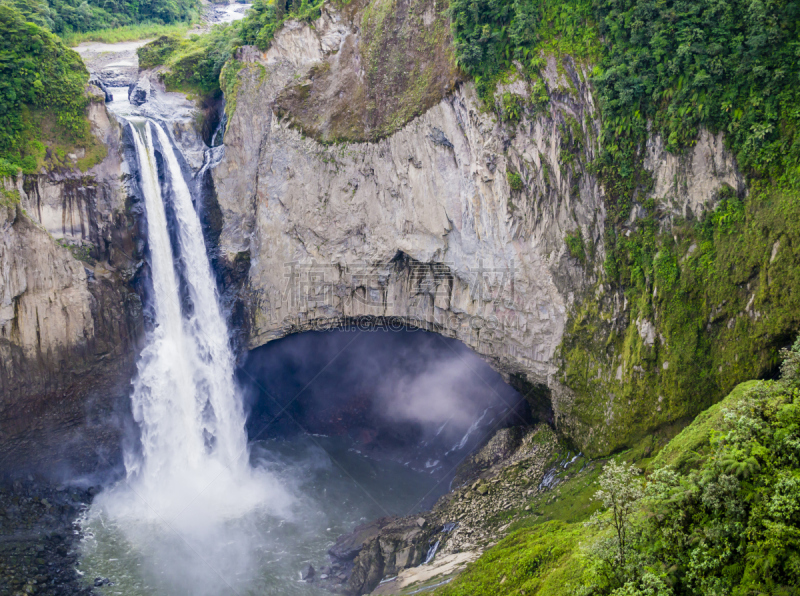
column 717, row 513
column 43, row 101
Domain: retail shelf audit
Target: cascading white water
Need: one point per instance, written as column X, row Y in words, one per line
column 194, row 455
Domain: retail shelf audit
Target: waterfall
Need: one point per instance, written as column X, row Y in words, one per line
column 185, row 398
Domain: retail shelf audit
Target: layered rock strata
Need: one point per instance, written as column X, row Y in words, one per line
column 70, row 318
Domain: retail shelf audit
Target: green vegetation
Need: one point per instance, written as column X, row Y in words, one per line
column 710, row 298
column 489, row 35
column 66, row 17
column 717, row 513
column 514, row 180
column 43, row 100
column 575, row 245
column 266, row 17
column 127, row 33
column 193, row 65
column 722, row 291
column 9, row 198
column 728, row 523
column 728, row 66
column 405, row 67
column 537, row 560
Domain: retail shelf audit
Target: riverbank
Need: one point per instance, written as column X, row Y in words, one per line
column 39, row 537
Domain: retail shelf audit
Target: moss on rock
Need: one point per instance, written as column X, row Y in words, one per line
column 401, row 65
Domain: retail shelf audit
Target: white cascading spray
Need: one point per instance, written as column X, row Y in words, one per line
column 193, row 461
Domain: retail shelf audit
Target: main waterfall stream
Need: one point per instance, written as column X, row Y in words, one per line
column 191, row 476
column 199, row 512
column 205, row 510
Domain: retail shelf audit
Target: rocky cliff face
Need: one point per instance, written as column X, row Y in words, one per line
column 455, row 222
column 69, row 317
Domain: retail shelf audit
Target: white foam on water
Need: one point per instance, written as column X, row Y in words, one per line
column 192, row 474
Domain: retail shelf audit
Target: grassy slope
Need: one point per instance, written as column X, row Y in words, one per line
column 126, row 33
column 544, row 556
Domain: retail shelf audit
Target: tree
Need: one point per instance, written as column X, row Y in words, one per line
column 620, row 490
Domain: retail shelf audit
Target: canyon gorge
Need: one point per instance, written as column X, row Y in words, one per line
column 350, row 267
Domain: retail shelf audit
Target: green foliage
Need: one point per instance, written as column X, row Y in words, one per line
column 158, row 51
column 65, row 17
column 229, row 82
column 127, row 33
column 195, row 65
column 266, row 17
column 575, row 245
column 539, row 96
column 192, row 65
column 620, row 492
column 719, row 513
column 489, row 35
column 538, row 560
column 691, row 445
column 512, row 107
column 42, row 96
column 9, row 198
column 730, row 524
column 514, row 180
column 730, row 65
column 722, row 294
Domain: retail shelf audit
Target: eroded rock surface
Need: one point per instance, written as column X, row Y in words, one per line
column 455, row 223
column 70, row 319
column 501, row 477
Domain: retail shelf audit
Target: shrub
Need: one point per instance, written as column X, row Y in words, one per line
column 514, row 180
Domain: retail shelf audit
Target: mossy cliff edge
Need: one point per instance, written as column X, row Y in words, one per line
column 70, row 313
column 652, row 271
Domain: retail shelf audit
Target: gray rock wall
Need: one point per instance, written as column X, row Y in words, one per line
column 70, row 321
column 424, row 226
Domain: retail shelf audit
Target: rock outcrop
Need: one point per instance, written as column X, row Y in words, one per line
column 455, row 223
column 70, row 319
column 504, row 475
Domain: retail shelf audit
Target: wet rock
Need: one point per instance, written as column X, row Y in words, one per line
column 307, row 574
column 349, row 545
column 139, row 91
column 438, row 137
column 463, row 520
column 66, row 368
column 102, row 86
column 37, row 550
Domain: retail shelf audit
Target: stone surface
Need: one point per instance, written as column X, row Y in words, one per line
column 417, row 230
column 466, row 520
column 70, row 320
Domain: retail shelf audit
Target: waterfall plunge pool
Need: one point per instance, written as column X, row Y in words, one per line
column 333, row 489
column 347, row 424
